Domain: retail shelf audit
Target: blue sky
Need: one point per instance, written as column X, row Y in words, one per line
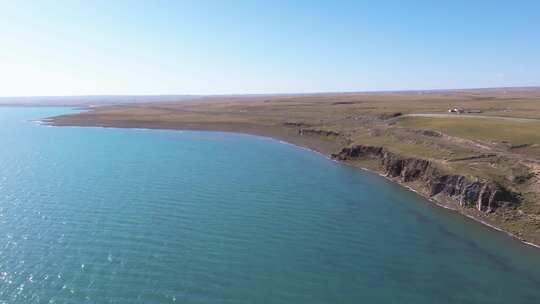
column 224, row 47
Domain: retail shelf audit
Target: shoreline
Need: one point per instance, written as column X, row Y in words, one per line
column 319, row 147
column 441, row 205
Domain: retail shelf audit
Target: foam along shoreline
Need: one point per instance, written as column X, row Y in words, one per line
column 320, row 148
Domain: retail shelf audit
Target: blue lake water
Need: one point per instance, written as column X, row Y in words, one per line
column 92, row 215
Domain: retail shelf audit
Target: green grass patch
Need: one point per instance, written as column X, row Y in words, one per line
column 484, row 129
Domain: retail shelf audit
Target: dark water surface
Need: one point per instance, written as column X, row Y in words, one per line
column 91, row 215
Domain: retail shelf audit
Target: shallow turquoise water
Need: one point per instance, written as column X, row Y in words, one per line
column 91, row 215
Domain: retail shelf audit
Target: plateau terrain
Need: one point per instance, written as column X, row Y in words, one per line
column 476, row 151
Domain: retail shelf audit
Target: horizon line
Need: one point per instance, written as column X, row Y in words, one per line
column 279, row 93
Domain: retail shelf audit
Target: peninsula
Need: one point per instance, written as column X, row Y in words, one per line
column 475, row 151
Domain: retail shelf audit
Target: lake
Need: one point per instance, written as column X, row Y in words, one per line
column 104, row 215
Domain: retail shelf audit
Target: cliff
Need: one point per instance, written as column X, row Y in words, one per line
column 483, row 195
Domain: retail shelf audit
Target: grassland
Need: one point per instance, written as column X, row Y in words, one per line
column 499, row 142
column 481, row 129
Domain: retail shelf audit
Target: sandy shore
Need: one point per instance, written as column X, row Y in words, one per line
column 322, row 145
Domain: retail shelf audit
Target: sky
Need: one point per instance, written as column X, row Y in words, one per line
column 53, row 48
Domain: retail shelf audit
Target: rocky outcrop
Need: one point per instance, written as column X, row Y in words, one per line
column 320, row 132
column 295, row 124
column 358, row 151
column 485, row 196
column 480, row 156
column 430, row 133
column 386, row 116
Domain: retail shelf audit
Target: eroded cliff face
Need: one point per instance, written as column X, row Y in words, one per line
column 484, row 195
